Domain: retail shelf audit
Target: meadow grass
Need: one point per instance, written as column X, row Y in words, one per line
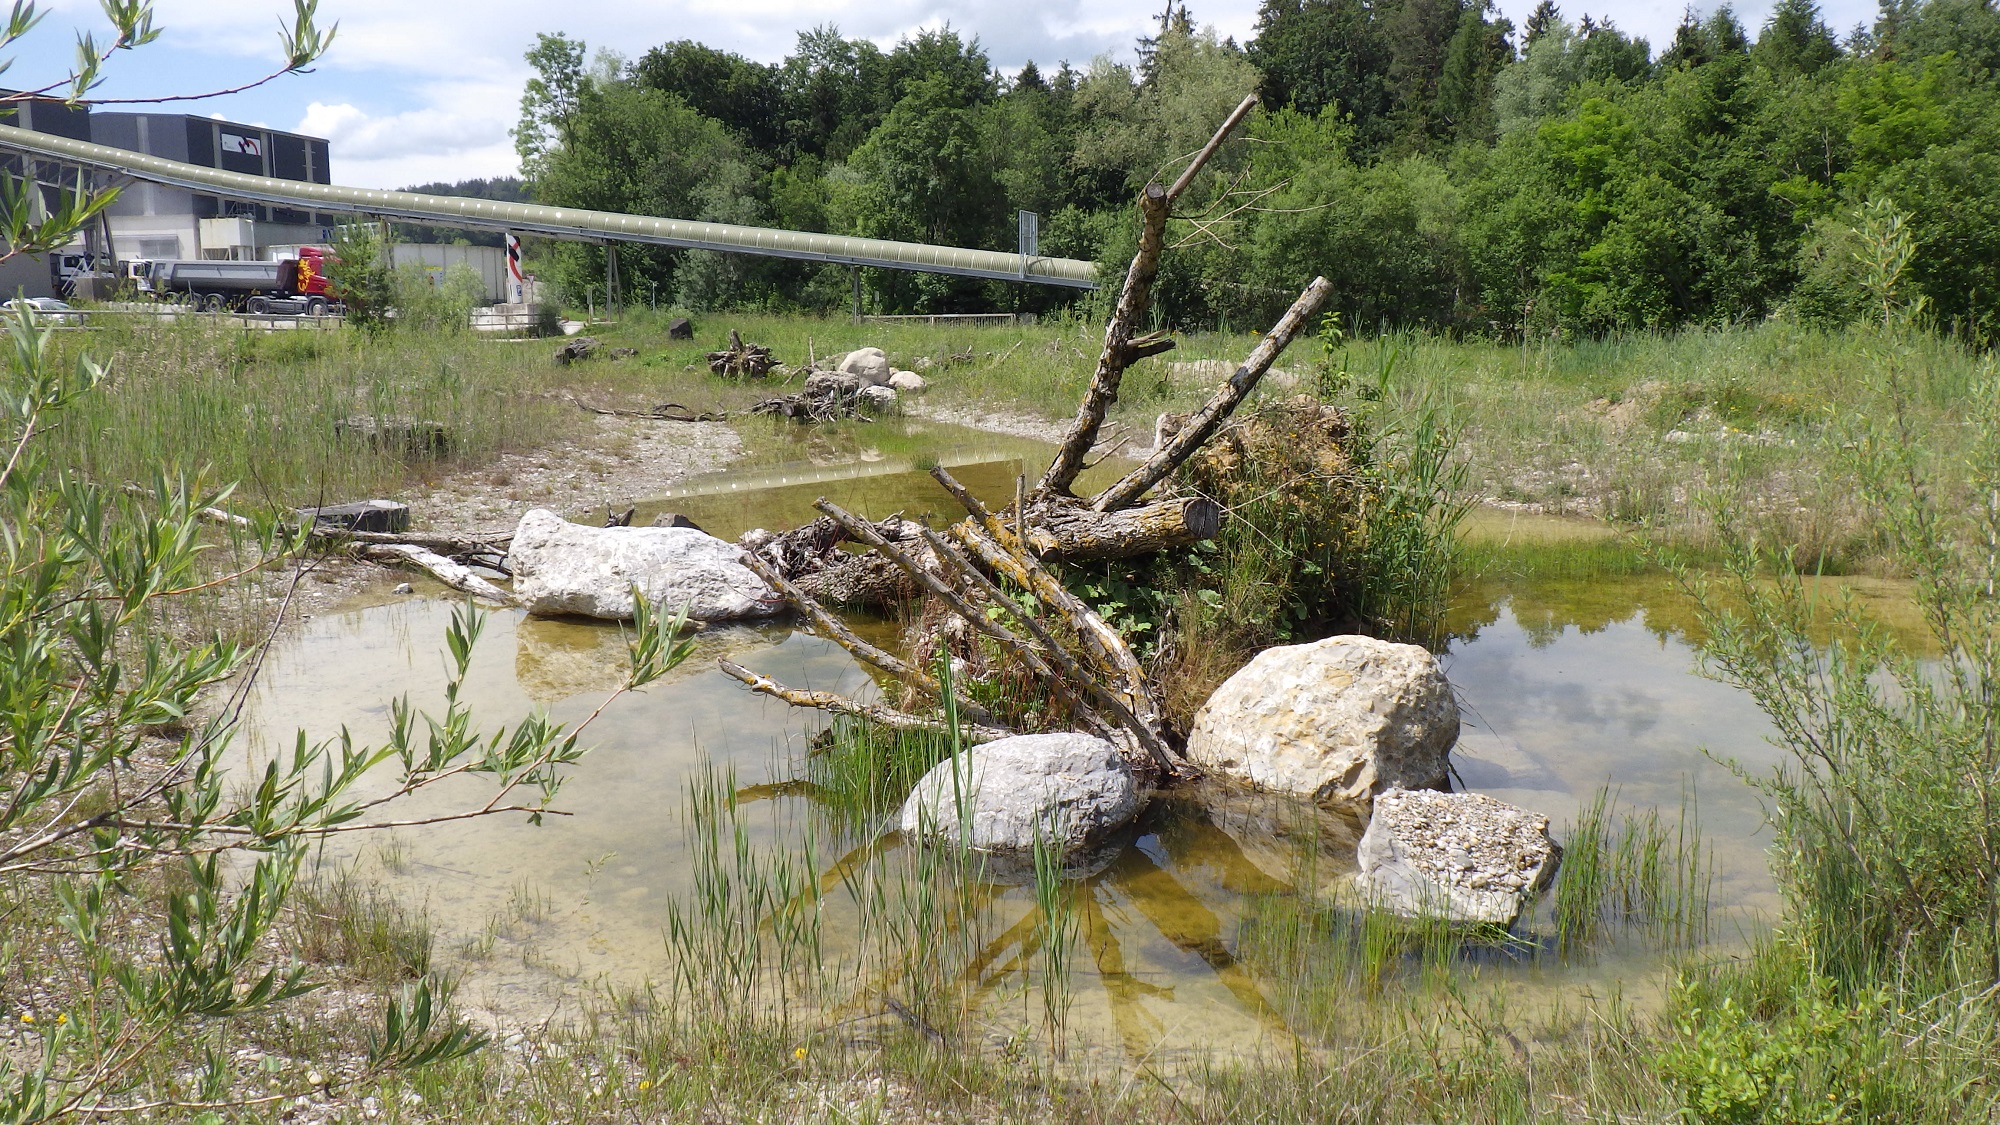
column 1631, row 429
column 1831, row 1028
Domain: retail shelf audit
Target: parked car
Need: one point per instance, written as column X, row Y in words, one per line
column 57, row 312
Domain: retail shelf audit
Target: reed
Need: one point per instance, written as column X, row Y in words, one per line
column 1633, row 871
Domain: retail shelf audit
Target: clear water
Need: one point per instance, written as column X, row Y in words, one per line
column 1564, row 687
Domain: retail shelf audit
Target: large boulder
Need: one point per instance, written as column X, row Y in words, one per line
column 568, row 568
column 906, row 381
column 869, row 363
column 1455, row 857
column 1068, row 788
column 1338, row 720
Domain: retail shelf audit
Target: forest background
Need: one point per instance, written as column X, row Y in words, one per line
column 1444, row 169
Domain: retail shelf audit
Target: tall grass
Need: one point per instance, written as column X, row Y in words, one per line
column 1876, row 999
column 1633, row 871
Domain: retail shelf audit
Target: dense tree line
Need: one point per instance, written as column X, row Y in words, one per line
column 1443, row 167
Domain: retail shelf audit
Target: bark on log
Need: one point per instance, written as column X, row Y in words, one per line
column 1074, row 532
column 453, row 546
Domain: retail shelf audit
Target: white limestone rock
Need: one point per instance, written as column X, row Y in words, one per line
column 1071, row 788
column 906, row 381
column 1455, row 857
column 1338, row 720
column 878, row 399
column 567, row 568
column 869, row 363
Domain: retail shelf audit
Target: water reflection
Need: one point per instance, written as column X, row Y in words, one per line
column 1566, row 687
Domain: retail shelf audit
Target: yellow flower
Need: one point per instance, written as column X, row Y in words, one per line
column 646, row 1084
column 799, row 1053
column 27, row 1017
column 62, row 1017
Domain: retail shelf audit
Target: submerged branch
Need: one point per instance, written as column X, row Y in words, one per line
column 972, row 733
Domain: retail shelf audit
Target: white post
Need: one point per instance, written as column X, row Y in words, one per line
column 517, row 290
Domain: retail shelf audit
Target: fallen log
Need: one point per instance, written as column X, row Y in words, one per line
column 1074, row 532
column 444, row 543
column 455, row 575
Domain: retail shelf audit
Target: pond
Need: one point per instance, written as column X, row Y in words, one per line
column 1566, row 688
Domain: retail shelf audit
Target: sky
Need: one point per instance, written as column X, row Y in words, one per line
column 416, row 92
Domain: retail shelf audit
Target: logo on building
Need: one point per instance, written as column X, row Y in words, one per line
column 243, row 146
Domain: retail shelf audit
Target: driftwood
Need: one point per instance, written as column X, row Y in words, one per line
column 990, row 572
column 455, row 575
column 742, row 361
column 828, row 396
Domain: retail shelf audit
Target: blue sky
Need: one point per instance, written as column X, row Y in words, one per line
column 415, row 91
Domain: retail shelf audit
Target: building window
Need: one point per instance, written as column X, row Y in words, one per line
column 159, row 248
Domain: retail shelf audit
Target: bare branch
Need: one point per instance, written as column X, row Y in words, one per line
column 832, row 628
column 972, row 733
column 1203, row 424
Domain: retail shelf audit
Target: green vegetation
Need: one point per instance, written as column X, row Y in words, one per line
column 1444, row 169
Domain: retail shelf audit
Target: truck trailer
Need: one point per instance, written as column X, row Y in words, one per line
column 288, row 285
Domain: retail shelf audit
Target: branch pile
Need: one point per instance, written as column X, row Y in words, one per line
column 742, row 361
column 985, row 585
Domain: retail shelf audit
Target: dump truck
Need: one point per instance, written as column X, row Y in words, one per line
column 288, row 285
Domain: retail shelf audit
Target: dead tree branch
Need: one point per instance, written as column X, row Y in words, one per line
column 1203, row 424
column 972, row 733
column 1121, row 349
column 832, row 628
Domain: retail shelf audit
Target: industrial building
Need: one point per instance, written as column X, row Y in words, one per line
column 157, row 221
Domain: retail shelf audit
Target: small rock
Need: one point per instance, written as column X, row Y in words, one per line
column 380, row 516
column 906, row 381
column 868, row 363
column 623, row 353
column 680, row 328
column 1456, row 857
column 405, row 588
column 576, row 348
column 1067, row 788
column 673, row 519
column 1338, row 720
column 878, row 398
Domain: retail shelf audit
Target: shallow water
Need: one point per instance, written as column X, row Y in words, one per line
column 1565, row 687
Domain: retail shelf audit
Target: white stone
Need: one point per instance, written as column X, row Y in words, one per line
column 568, row 568
column 869, row 363
column 877, row 398
column 906, row 381
column 1456, row 857
column 1069, row 788
column 1337, row 720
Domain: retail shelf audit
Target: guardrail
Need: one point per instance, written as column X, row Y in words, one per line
column 80, row 318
